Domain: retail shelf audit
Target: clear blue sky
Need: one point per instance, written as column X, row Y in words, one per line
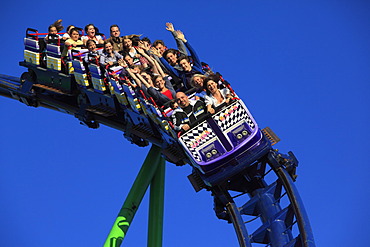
column 302, row 67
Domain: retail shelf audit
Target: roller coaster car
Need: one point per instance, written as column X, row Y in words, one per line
column 225, row 143
column 45, row 64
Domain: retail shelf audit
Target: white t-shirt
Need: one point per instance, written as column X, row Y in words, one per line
column 97, row 38
column 66, row 36
column 210, row 100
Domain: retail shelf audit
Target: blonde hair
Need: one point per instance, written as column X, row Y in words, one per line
column 131, row 36
column 196, row 75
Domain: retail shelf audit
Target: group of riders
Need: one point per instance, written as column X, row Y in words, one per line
column 174, row 78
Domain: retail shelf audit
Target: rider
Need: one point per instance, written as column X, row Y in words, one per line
column 188, row 113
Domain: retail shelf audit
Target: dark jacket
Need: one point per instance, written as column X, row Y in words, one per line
column 190, row 115
column 185, row 76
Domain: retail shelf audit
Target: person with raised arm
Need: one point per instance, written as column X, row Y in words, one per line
column 147, row 61
column 163, row 91
column 158, row 87
column 171, row 56
column 130, row 49
column 161, row 47
column 158, row 48
column 147, row 43
column 145, row 82
column 188, row 69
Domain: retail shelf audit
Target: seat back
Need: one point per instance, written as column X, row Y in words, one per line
column 32, row 50
column 118, row 92
column 53, row 57
column 80, row 73
column 97, row 78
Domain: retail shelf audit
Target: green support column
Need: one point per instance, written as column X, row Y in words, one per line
column 156, row 207
column 134, row 198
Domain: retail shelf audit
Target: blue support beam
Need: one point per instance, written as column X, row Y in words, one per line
column 286, row 178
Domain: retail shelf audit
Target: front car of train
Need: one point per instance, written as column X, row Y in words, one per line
column 225, row 143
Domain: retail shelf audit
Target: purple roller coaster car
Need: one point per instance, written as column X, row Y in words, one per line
column 229, row 140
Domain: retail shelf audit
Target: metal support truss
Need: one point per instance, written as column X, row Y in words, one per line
column 151, row 173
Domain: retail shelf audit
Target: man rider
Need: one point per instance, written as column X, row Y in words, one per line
column 116, row 39
column 188, row 113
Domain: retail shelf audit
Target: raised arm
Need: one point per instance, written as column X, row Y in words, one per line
column 158, row 68
column 193, row 54
column 141, row 49
column 180, row 45
column 164, row 62
column 145, row 82
column 132, row 73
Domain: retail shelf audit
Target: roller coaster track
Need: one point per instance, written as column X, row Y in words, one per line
column 261, row 202
column 266, row 191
